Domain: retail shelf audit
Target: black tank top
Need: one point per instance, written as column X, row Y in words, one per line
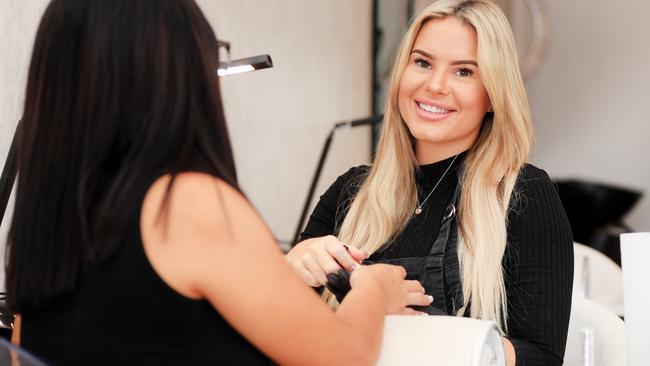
column 122, row 312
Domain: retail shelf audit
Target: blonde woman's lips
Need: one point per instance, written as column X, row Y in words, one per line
column 432, row 111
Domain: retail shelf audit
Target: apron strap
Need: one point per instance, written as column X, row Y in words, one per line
column 446, row 246
column 440, row 245
column 452, row 269
column 452, row 265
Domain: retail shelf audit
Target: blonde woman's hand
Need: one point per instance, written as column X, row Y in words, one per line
column 313, row 259
column 399, row 293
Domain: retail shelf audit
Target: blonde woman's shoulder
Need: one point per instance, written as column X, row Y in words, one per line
column 530, row 172
column 534, row 188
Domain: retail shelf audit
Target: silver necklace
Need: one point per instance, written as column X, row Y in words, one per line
column 418, row 210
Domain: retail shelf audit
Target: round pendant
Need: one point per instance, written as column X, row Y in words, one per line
column 418, row 210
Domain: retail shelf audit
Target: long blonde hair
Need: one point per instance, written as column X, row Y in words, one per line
column 490, row 171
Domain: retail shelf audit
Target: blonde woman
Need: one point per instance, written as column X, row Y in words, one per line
column 450, row 195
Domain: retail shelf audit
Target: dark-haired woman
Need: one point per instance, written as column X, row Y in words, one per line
column 130, row 241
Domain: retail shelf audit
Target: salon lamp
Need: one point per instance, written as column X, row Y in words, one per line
column 370, row 121
column 232, row 67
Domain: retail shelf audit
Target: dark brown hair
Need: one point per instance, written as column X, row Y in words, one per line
column 117, row 92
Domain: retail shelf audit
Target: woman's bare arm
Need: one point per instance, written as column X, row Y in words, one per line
column 215, row 246
column 15, row 333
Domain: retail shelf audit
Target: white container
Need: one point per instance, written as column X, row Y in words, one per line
column 635, row 259
column 440, row 341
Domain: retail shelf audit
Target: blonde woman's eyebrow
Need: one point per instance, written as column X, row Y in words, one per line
column 432, row 57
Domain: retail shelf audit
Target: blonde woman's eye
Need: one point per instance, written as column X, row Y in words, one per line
column 464, row 72
column 422, row 64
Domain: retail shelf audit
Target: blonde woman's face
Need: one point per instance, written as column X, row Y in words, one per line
column 441, row 96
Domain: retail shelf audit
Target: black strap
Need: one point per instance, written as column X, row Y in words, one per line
column 452, row 265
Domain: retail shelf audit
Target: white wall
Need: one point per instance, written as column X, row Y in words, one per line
column 18, row 22
column 278, row 118
column 591, row 95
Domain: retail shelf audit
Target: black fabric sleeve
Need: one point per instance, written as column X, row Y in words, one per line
column 538, row 270
column 331, row 208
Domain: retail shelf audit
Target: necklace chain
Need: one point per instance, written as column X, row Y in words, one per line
column 418, row 210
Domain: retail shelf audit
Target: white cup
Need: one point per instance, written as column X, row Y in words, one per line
column 635, row 259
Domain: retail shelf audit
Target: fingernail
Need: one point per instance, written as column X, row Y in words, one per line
column 354, row 266
column 430, row 298
column 422, row 313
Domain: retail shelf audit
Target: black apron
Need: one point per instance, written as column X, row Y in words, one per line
column 439, row 272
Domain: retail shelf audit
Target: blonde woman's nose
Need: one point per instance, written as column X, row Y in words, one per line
column 437, row 82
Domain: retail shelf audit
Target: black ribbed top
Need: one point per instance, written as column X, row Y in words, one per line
column 538, row 262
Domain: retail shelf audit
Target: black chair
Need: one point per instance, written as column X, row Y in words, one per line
column 596, row 213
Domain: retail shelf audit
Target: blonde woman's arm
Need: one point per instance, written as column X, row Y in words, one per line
column 319, row 251
column 538, row 266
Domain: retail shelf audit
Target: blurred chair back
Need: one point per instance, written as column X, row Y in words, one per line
column 598, row 278
column 440, row 341
column 608, row 332
column 16, row 356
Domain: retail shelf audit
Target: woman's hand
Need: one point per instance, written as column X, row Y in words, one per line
column 511, row 356
column 399, row 293
column 313, row 259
